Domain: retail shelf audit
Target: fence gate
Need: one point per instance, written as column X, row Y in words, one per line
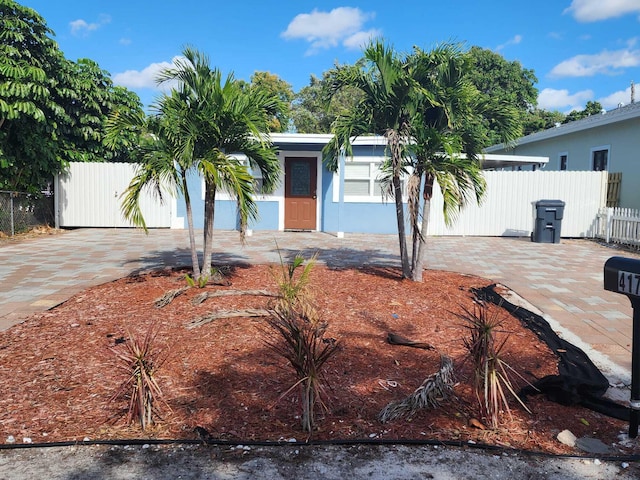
column 613, row 189
column 90, row 195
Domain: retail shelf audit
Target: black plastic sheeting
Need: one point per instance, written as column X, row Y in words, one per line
column 579, row 381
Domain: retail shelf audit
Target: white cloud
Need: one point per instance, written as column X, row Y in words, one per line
column 125, row 41
column 551, row 99
column 361, row 39
column 323, row 30
column 512, row 41
column 81, row 27
column 145, row 78
column 606, row 62
column 594, row 10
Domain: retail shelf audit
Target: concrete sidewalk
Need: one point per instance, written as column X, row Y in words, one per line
column 563, row 281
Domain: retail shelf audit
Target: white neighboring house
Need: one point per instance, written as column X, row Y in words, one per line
column 609, row 141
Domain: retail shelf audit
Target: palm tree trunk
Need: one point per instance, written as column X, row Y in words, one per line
column 414, row 214
column 209, row 210
column 426, row 212
column 396, row 159
column 192, row 235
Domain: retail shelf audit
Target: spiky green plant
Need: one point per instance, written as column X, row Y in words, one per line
column 293, row 286
column 301, row 342
column 492, row 375
column 300, row 336
column 201, row 281
column 139, row 359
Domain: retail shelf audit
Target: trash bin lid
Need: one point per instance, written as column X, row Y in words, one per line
column 550, row 203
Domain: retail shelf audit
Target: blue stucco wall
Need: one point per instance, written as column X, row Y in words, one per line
column 350, row 217
column 355, row 217
column 226, row 217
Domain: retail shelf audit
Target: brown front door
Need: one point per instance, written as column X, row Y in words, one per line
column 300, row 193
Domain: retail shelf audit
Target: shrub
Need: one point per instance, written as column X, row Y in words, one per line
column 492, row 375
column 300, row 337
column 139, row 359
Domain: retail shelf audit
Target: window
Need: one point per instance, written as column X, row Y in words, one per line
column 361, row 179
column 600, row 158
column 255, row 172
column 564, row 158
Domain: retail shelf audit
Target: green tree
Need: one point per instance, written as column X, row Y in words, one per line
column 29, row 60
column 384, row 108
column 219, row 118
column 446, row 144
column 432, row 117
column 501, row 81
column 275, row 87
column 314, row 110
column 164, row 164
column 591, row 108
column 52, row 110
column 539, row 119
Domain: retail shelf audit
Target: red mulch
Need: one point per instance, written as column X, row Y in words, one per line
column 58, row 372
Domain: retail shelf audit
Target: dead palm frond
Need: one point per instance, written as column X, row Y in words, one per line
column 433, row 391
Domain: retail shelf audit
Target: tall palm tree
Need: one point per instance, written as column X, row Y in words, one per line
column 221, row 118
column 383, row 109
column 163, row 169
column 426, row 108
column 446, row 147
column 197, row 127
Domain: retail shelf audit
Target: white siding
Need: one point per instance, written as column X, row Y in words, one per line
column 509, row 205
column 89, row 195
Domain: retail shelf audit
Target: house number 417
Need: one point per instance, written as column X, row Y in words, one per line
column 629, row 283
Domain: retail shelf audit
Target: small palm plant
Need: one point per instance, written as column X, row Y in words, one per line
column 293, row 290
column 140, row 360
column 300, row 337
column 492, row 375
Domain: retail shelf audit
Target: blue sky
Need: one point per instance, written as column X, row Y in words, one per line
column 580, row 50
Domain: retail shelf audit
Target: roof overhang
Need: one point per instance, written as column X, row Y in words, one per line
column 620, row 114
column 489, row 161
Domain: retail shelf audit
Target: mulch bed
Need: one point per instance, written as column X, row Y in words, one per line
column 58, row 370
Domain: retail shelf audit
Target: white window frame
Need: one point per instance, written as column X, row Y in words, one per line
column 374, row 171
column 276, row 195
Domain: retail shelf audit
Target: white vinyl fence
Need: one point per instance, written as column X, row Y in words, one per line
column 619, row 225
column 90, row 195
column 509, row 205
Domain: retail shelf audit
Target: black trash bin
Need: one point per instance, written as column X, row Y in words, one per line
column 548, row 224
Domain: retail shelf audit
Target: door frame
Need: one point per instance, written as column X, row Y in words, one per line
column 304, row 154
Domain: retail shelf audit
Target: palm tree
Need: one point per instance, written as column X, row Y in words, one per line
column 383, row 109
column 163, row 169
column 221, row 118
column 197, row 127
column 446, row 147
column 426, row 108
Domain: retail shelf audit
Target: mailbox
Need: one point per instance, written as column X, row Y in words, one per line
column 622, row 275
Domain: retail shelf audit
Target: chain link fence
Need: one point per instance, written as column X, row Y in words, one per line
column 20, row 212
